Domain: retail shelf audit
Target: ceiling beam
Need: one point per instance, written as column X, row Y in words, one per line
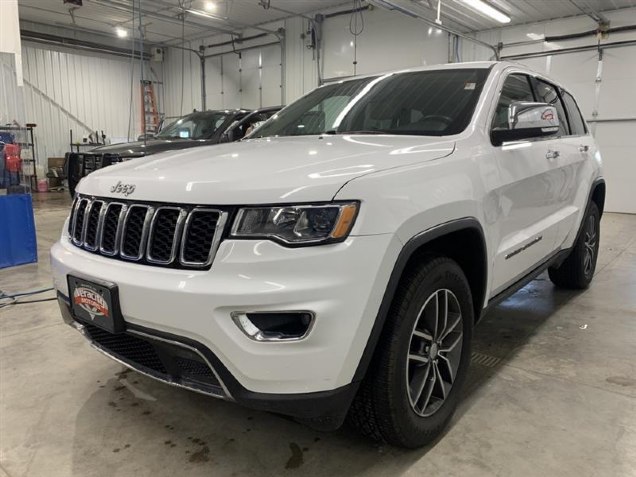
column 125, row 7
column 598, row 17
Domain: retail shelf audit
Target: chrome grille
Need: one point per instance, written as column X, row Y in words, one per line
column 162, row 235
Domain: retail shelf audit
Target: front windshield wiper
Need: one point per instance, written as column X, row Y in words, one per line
column 359, row 131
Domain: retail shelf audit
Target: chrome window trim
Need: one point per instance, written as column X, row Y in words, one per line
column 175, row 240
column 122, row 213
column 216, row 239
column 144, row 232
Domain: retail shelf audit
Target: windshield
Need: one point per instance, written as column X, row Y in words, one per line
column 428, row 103
column 194, row 126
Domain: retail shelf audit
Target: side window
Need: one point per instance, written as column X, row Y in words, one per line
column 516, row 88
column 577, row 125
column 547, row 93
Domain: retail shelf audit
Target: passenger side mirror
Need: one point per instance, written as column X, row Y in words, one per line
column 527, row 120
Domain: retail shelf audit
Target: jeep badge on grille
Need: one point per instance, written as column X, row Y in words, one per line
column 125, row 189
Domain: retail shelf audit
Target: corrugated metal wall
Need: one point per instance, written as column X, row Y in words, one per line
column 65, row 90
column 251, row 80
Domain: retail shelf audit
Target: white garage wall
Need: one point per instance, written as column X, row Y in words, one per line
column 389, row 40
column 606, row 93
column 66, row 90
column 251, row 80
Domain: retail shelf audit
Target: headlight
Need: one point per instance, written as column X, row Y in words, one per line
column 297, row 225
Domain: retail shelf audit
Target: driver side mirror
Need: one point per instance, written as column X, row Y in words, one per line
column 227, row 136
column 527, row 120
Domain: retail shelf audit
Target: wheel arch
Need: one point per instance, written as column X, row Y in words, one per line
column 449, row 239
column 598, row 194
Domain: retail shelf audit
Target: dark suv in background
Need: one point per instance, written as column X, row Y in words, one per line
column 201, row 128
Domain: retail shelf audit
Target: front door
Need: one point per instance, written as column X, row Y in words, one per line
column 529, row 192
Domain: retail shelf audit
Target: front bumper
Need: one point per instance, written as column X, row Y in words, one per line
column 342, row 284
column 159, row 356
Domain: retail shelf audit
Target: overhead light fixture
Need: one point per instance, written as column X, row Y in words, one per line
column 203, row 14
column 121, row 33
column 210, row 6
column 484, row 8
column 535, row 36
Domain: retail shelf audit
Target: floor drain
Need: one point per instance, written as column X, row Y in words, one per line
column 485, row 360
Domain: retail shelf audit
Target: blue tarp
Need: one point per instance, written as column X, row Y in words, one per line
column 18, row 244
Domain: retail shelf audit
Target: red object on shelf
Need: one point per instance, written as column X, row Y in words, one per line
column 12, row 160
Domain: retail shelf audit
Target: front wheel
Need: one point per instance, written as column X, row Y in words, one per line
column 577, row 270
column 414, row 381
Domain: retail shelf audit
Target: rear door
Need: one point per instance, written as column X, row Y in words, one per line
column 530, row 190
column 576, row 163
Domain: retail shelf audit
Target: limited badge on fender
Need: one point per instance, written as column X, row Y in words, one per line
column 91, row 301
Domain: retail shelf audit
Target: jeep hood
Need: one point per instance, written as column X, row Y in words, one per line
column 258, row 171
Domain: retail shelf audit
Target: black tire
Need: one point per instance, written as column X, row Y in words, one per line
column 577, row 270
column 383, row 408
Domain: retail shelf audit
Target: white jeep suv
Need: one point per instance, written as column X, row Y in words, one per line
column 334, row 264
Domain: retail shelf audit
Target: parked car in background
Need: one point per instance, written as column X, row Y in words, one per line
column 201, row 128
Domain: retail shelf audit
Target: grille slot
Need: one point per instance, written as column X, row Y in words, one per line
column 78, row 222
column 110, row 228
column 199, row 235
column 92, row 224
column 164, row 230
column 168, row 235
column 134, row 232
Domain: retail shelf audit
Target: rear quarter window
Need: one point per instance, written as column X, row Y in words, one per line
column 577, row 124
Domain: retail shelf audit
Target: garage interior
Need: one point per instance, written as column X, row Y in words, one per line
column 552, row 381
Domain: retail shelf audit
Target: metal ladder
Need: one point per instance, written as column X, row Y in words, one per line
column 150, row 121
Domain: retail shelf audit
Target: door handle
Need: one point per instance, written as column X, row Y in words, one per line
column 584, row 148
column 552, row 155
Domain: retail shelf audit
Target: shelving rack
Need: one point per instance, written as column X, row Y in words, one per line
column 24, row 137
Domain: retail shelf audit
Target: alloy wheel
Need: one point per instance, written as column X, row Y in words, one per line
column 434, row 352
column 589, row 242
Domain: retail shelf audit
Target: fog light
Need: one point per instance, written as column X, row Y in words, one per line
column 274, row 325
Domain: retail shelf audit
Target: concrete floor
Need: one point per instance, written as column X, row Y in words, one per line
column 552, row 391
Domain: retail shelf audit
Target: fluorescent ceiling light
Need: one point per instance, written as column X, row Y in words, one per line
column 203, row 14
column 535, row 36
column 210, row 6
column 484, row 8
column 121, row 33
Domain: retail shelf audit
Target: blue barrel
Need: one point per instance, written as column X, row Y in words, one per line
column 18, row 244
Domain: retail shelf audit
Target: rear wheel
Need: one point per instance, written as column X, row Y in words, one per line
column 577, row 271
column 413, row 384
